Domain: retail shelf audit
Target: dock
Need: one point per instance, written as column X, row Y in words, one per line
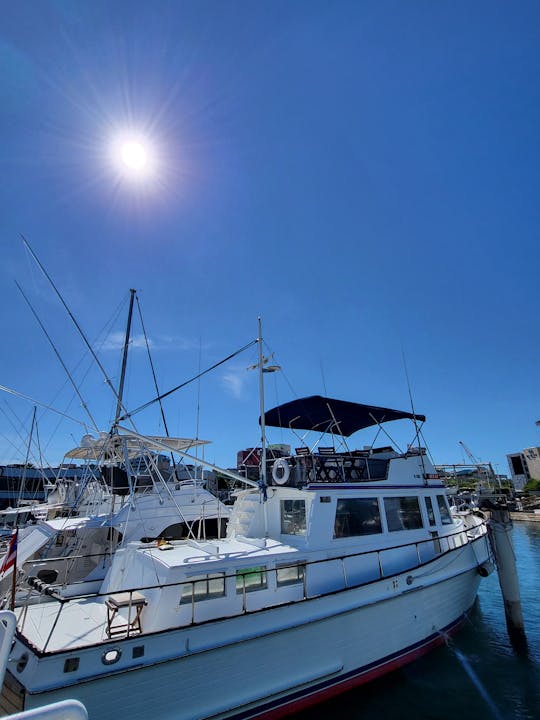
column 525, row 516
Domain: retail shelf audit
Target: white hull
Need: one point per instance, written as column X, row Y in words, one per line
column 288, row 653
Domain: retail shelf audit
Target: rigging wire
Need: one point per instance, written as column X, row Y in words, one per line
column 128, row 415
column 81, row 333
column 10, row 391
column 42, row 326
column 25, row 468
column 165, row 426
column 152, row 368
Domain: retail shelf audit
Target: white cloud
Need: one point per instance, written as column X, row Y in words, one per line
column 115, row 342
column 234, row 382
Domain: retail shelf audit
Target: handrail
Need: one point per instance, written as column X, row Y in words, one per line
column 450, row 540
column 8, row 624
column 63, row 710
column 345, row 556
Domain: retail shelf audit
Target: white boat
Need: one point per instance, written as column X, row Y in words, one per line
column 341, row 567
column 128, row 491
column 74, row 549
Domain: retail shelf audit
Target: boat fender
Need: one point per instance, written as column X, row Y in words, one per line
column 281, row 471
column 486, row 569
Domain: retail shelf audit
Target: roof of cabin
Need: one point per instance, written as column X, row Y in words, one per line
column 340, row 417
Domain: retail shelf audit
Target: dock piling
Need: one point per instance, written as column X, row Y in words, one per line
column 500, row 535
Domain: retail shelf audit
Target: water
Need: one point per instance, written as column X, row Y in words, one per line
column 478, row 675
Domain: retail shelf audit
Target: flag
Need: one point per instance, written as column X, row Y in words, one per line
column 10, row 558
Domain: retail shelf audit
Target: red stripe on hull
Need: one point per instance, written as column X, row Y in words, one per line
column 361, row 679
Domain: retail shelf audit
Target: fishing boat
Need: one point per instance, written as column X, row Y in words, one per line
column 338, row 566
column 148, row 503
column 128, row 490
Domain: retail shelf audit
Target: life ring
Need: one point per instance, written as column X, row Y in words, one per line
column 281, row 471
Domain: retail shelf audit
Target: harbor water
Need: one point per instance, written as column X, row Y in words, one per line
column 477, row 675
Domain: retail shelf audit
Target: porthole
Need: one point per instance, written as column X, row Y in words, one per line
column 138, row 651
column 111, row 656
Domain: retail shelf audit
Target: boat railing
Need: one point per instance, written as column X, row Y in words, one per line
column 325, row 467
column 314, row 578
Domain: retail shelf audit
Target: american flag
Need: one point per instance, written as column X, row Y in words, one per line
column 11, row 555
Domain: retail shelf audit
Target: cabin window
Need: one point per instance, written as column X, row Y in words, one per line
column 402, row 513
column 251, row 579
column 289, row 574
column 430, row 512
column 357, row 516
column 204, row 587
column 446, row 518
column 293, row 517
column 71, row 664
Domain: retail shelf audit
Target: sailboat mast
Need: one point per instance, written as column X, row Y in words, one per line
column 124, row 359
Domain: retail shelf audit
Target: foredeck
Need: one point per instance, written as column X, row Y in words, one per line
column 50, row 627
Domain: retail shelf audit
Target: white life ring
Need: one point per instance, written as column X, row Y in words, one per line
column 281, row 471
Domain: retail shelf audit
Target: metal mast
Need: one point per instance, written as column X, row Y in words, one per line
column 124, row 360
column 262, row 481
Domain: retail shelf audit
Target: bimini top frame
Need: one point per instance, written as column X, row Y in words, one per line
column 327, row 415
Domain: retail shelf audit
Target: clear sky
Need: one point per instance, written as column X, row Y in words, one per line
column 363, row 175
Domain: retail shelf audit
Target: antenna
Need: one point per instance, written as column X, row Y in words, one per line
column 416, row 427
column 323, row 378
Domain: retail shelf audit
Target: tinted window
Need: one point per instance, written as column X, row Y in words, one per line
column 402, row 513
column 446, row 518
column 357, row 516
column 251, row 578
column 289, row 575
column 204, row 588
column 430, row 513
column 293, row 517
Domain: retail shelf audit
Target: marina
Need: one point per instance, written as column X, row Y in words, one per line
column 199, row 521
column 336, row 546
column 327, row 547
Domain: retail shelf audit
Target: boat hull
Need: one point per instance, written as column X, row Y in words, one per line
column 332, row 643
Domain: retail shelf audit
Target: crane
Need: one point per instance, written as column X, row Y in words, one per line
column 485, row 469
column 471, row 457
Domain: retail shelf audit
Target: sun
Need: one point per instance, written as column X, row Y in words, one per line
column 133, row 157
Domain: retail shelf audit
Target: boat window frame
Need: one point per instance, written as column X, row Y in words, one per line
column 359, row 501
column 300, row 568
column 430, row 511
column 189, row 590
column 299, row 517
column 241, row 585
column 446, row 516
column 390, row 520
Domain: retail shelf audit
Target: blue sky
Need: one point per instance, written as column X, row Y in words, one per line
column 363, row 175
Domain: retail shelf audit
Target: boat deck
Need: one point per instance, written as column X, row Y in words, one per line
column 51, row 627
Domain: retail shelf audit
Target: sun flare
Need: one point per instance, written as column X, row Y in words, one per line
column 133, row 157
